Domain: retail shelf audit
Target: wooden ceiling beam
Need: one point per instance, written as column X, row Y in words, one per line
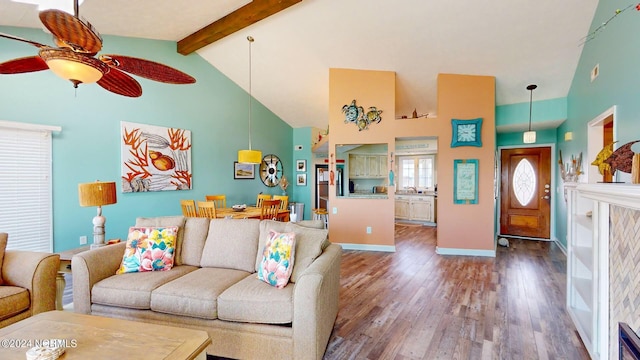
column 237, row 20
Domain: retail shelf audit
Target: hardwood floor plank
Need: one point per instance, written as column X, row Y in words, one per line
column 416, row 304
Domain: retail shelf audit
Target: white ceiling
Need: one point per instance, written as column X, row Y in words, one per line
column 519, row 42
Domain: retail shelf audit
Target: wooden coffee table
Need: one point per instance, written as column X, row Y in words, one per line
column 96, row 337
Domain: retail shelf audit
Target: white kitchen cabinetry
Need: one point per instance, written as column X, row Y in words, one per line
column 416, row 207
column 402, row 207
column 368, row 166
column 587, row 274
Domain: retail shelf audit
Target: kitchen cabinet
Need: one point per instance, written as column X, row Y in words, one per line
column 368, row 166
column 402, row 207
column 415, row 207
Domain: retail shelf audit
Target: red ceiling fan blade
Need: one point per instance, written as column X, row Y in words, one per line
column 71, row 31
column 148, row 69
column 36, row 44
column 120, row 83
column 23, row 65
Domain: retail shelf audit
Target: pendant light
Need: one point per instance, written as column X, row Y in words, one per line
column 529, row 137
column 249, row 156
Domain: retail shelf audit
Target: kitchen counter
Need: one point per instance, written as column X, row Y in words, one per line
column 426, row 193
column 366, row 196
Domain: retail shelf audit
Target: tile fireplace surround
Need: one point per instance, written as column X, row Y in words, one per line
column 624, row 254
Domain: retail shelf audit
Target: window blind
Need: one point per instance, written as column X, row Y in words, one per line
column 25, row 187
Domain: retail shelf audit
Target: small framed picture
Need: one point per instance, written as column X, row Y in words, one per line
column 243, row 171
column 301, row 165
column 301, row 179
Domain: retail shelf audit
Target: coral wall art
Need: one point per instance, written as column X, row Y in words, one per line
column 155, row 158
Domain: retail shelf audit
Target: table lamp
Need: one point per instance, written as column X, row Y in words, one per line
column 97, row 194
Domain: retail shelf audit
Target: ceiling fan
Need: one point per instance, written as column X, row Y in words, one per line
column 74, row 58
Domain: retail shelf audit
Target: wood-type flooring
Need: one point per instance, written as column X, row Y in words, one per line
column 416, row 304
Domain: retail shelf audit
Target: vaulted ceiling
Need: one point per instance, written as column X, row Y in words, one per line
column 519, row 42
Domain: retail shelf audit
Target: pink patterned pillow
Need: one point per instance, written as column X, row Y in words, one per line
column 277, row 259
column 149, row 249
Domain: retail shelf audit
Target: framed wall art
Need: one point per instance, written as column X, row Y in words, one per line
column 301, row 165
column 301, row 179
column 466, row 132
column 154, row 158
column 465, row 181
column 243, row 171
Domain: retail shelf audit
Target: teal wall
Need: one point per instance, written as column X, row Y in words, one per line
column 214, row 110
column 302, row 136
column 617, row 49
column 541, row 110
column 515, row 138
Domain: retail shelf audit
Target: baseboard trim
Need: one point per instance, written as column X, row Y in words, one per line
column 562, row 247
column 366, row 247
column 465, row 252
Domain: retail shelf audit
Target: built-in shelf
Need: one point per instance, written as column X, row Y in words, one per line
column 585, row 255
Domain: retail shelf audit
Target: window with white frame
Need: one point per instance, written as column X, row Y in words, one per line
column 417, row 172
column 25, row 185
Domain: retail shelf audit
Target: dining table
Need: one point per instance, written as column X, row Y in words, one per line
column 250, row 212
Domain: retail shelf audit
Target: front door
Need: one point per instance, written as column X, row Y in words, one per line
column 525, row 194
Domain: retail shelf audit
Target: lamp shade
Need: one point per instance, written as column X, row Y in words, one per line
column 529, row 137
column 77, row 68
column 97, row 193
column 249, row 156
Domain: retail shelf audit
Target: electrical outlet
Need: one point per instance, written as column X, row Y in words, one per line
column 83, row 240
column 335, row 210
column 368, row 229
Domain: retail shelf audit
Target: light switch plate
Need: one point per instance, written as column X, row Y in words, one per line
column 335, row 210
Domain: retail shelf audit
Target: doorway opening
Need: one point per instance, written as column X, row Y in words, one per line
column 600, row 133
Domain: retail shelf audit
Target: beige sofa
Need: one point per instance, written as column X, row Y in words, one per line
column 213, row 287
column 28, row 284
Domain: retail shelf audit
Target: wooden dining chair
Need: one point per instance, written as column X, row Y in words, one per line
column 270, row 209
column 220, row 200
column 262, row 197
column 189, row 208
column 207, row 209
column 284, row 201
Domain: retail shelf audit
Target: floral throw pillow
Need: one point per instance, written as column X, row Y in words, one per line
column 277, row 259
column 149, row 249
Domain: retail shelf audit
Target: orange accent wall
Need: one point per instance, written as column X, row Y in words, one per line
column 459, row 97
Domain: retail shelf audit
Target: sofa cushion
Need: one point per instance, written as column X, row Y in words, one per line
column 253, row 301
column 13, row 300
column 232, row 244
column 310, row 243
column 195, row 235
column 133, row 290
column 314, row 224
column 167, row 221
column 149, row 249
column 277, row 259
column 195, row 294
column 3, row 247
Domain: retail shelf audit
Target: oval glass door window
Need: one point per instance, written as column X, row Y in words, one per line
column 524, row 182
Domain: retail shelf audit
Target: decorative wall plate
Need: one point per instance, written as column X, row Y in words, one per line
column 271, row 170
column 466, row 132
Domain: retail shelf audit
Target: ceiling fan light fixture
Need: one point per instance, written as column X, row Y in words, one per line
column 77, row 68
column 250, row 156
column 529, row 137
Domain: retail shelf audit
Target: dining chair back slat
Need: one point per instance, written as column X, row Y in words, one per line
column 284, row 201
column 189, row 208
column 220, row 200
column 207, row 209
column 262, row 197
column 270, row 209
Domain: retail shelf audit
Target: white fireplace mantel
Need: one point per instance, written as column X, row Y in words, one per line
column 625, row 195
